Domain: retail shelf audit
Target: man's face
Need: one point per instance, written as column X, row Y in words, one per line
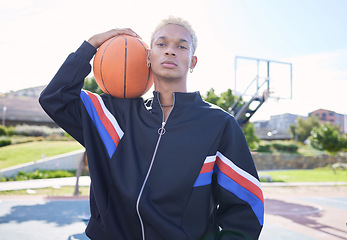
column 171, row 52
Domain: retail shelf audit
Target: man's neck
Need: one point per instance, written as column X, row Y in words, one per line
column 166, row 90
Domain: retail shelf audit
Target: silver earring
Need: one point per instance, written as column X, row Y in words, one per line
column 191, row 70
column 148, row 64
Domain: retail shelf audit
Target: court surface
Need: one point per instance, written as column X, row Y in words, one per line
column 299, row 213
column 305, row 213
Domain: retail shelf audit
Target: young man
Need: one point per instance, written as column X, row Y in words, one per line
column 174, row 167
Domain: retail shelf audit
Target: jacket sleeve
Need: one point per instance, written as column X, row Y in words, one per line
column 61, row 98
column 239, row 196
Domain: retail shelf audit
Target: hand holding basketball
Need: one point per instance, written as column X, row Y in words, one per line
column 98, row 39
column 120, row 65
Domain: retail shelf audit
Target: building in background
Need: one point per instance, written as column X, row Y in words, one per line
column 282, row 122
column 331, row 117
column 277, row 128
column 22, row 107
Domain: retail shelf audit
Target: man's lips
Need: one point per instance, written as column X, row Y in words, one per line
column 169, row 64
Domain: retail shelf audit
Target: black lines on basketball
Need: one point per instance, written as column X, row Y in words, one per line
column 102, row 59
column 125, row 64
column 120, row 67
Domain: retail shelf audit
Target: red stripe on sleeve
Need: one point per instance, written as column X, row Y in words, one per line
column 105, row 121
column 242, row 181
column 207, row 167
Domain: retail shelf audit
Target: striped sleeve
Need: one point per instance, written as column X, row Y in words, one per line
column 236, row 184
column 205, row 176
column 241, row 184
column 235, row 180
column 106, row 124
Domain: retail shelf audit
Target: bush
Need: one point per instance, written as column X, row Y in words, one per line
column 23, row 139
column 7, row 131
column 11, row 131
column 3, row 130
column 5, row 142
column 37, row 174
column 41, row 174
column 284, row 147
column 35, row 131
column 278, row 146
column 264, row 148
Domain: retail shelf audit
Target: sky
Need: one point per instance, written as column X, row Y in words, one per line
column 37, row 36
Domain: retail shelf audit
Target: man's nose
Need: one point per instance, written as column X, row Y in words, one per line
column 170, row 51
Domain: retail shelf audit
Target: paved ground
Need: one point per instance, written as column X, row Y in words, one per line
column 305, row 213
column 36, row 218
column 291, row 212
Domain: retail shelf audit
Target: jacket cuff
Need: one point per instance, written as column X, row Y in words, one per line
column 86, row 51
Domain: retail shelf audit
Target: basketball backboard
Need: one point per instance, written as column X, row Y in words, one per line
column 263, row 76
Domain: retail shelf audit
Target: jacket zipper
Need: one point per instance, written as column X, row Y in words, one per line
column 161, row 132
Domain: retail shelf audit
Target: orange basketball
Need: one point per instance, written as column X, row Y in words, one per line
column 120, row 67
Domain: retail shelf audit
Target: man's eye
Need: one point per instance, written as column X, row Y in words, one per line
column 161, row 44
column 182, row 47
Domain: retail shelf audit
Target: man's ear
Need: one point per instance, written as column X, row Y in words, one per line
column 148, row 55
column 193, row 62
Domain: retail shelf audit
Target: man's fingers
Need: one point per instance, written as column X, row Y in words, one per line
column 125, row 31
column 99, row 39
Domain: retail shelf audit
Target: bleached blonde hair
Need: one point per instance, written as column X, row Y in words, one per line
column 180, row 22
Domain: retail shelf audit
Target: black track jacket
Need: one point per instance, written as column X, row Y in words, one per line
column 192, row 177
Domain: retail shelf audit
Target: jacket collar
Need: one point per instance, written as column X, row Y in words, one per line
column 180, row 99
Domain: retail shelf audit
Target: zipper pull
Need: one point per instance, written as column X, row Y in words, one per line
column 161, row 131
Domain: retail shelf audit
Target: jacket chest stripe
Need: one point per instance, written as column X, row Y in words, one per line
column 107, row 126
column 205, row 176
column 240, row 183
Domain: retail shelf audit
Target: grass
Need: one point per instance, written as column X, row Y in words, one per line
column 26, row 152
column 303, row 149
column 67, row 191
column 308, row 150
column 307, row 175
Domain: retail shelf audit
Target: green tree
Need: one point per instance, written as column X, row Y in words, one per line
column 302, row 130
column 211, row 97
column 225, row 101
column 251, row 138
column 91, row 85
column 328, row 138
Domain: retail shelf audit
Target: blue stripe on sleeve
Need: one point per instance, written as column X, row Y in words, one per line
column 242, row 193
column 105, row 136
column 203, row 179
